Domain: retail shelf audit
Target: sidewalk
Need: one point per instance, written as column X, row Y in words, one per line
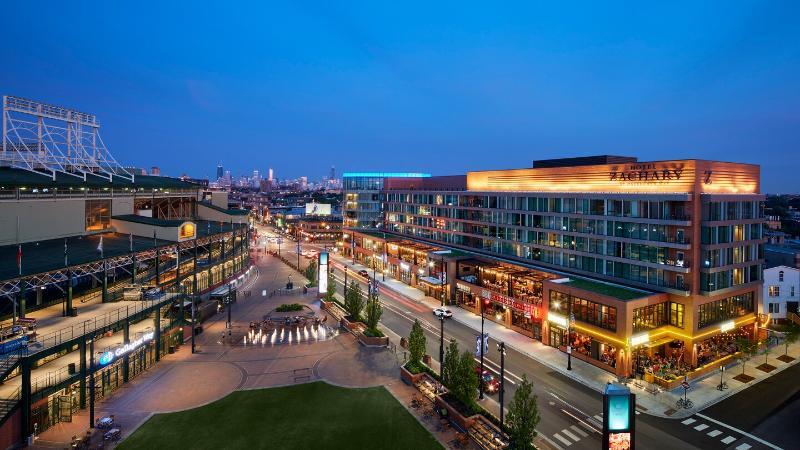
column 703, row 391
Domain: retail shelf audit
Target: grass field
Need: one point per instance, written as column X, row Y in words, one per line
column 313, row 415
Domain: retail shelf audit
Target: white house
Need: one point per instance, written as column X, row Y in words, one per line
column 781, row 291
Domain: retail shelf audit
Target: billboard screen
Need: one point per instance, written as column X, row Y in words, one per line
column 318, row 209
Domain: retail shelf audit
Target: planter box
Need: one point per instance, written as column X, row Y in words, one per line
column 463, row 422
column 372, row 341
column 410, row 378
column 352, row 326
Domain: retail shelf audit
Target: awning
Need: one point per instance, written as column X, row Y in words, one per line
column 431, row 280
column 657, row 342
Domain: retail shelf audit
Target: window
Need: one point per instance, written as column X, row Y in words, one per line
column 774, row 291
column 98, row 214
column 727, row 308
column 774, row 308
column 791, row 291
column 780, row 276
column 676, row 314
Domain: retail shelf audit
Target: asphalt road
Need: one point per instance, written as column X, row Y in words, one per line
column 570, row 412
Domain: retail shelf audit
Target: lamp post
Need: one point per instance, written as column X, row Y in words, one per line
column 480, row 347
column 570, row 319
column 722, row 385
column 345, row 282
column 501, row 347
column 441, row 344
column 298, row 254
column 443, row 280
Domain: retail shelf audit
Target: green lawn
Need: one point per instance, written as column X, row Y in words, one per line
column 313, row 415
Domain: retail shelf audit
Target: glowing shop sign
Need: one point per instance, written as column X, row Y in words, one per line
column 557, row 319
column 727, row 326
column 640, row 339
column 405, row 266
column 109, row 356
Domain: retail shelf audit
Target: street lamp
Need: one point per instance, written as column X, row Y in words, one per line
column 345, row 281
column 441, row 343
column 484, row 302
column 570, row 319
column 501, row 347
column 722, row 385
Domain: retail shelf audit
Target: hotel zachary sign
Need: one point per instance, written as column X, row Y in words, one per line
column 651, row 173
column 646, row 173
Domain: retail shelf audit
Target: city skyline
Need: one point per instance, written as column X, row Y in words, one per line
column 445, row 94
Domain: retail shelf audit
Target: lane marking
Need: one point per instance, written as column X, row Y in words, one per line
column 548, row 440
column 728, row 440
column 598, row 417
column 689, row 421
column 755, row 438
column 701, row 427
column 588, row 427
column 586, row 424
column 714, row 433
column 570, row 435
column 562, row 439
column 744, row 446
column 579, row 431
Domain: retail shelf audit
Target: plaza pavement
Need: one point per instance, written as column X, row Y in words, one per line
column 184, row 380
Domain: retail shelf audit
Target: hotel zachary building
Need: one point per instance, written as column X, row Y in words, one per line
column 646, row 269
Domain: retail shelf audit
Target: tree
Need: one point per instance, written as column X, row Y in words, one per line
column 466, row 380
column 523, row 415
column 354, row 301
column 330, row 294
column 790, row 336
column 311, row 273
column 450, row 365
column 374, row 311
column 416, row 342
column 747, row 348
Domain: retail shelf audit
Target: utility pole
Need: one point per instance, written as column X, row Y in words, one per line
column 345, row 281
column 441, row 344
column 501, row 347
column 480, row 346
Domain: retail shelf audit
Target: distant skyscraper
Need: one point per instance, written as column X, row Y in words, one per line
column 333, row 173
column 270, row 174
column 220, row 172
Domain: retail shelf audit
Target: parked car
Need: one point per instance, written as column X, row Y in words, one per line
column 491, row 383
column 363, row 273
column 443, row 312
column 153, row 293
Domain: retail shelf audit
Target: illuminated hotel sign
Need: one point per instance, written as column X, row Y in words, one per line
column 646, row 172
column 619, row 419
column 109, row 356
column 680, row 177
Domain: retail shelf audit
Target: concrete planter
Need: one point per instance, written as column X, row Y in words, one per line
column 410, row 378
column 463, row 422
column 371, row 341
column 352, row 326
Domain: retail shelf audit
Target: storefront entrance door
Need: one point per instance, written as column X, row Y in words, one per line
column 65, row 408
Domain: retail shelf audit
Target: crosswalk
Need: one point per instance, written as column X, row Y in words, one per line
column 575, row 433
column 724, row 437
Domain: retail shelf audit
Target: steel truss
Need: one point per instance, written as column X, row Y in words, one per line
column 10, row 288
column 45, row 138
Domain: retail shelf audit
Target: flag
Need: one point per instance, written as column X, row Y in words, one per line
column 19, row 259
column 66, row 261
column 100, row 246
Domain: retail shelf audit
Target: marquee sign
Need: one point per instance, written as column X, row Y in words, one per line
column 110, row 356
column 524, row 307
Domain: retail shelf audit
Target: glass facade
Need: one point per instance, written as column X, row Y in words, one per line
column 585, row 311
column 725, row 309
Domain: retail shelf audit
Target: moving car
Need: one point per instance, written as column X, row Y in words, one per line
column 443, row 312
column 363, row 273
column 491, row 383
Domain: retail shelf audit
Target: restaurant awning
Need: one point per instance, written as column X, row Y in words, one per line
column 431, row 280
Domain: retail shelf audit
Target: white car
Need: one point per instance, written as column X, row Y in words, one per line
column 443, row 312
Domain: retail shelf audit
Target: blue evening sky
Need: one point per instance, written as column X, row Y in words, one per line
column 440, row 87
